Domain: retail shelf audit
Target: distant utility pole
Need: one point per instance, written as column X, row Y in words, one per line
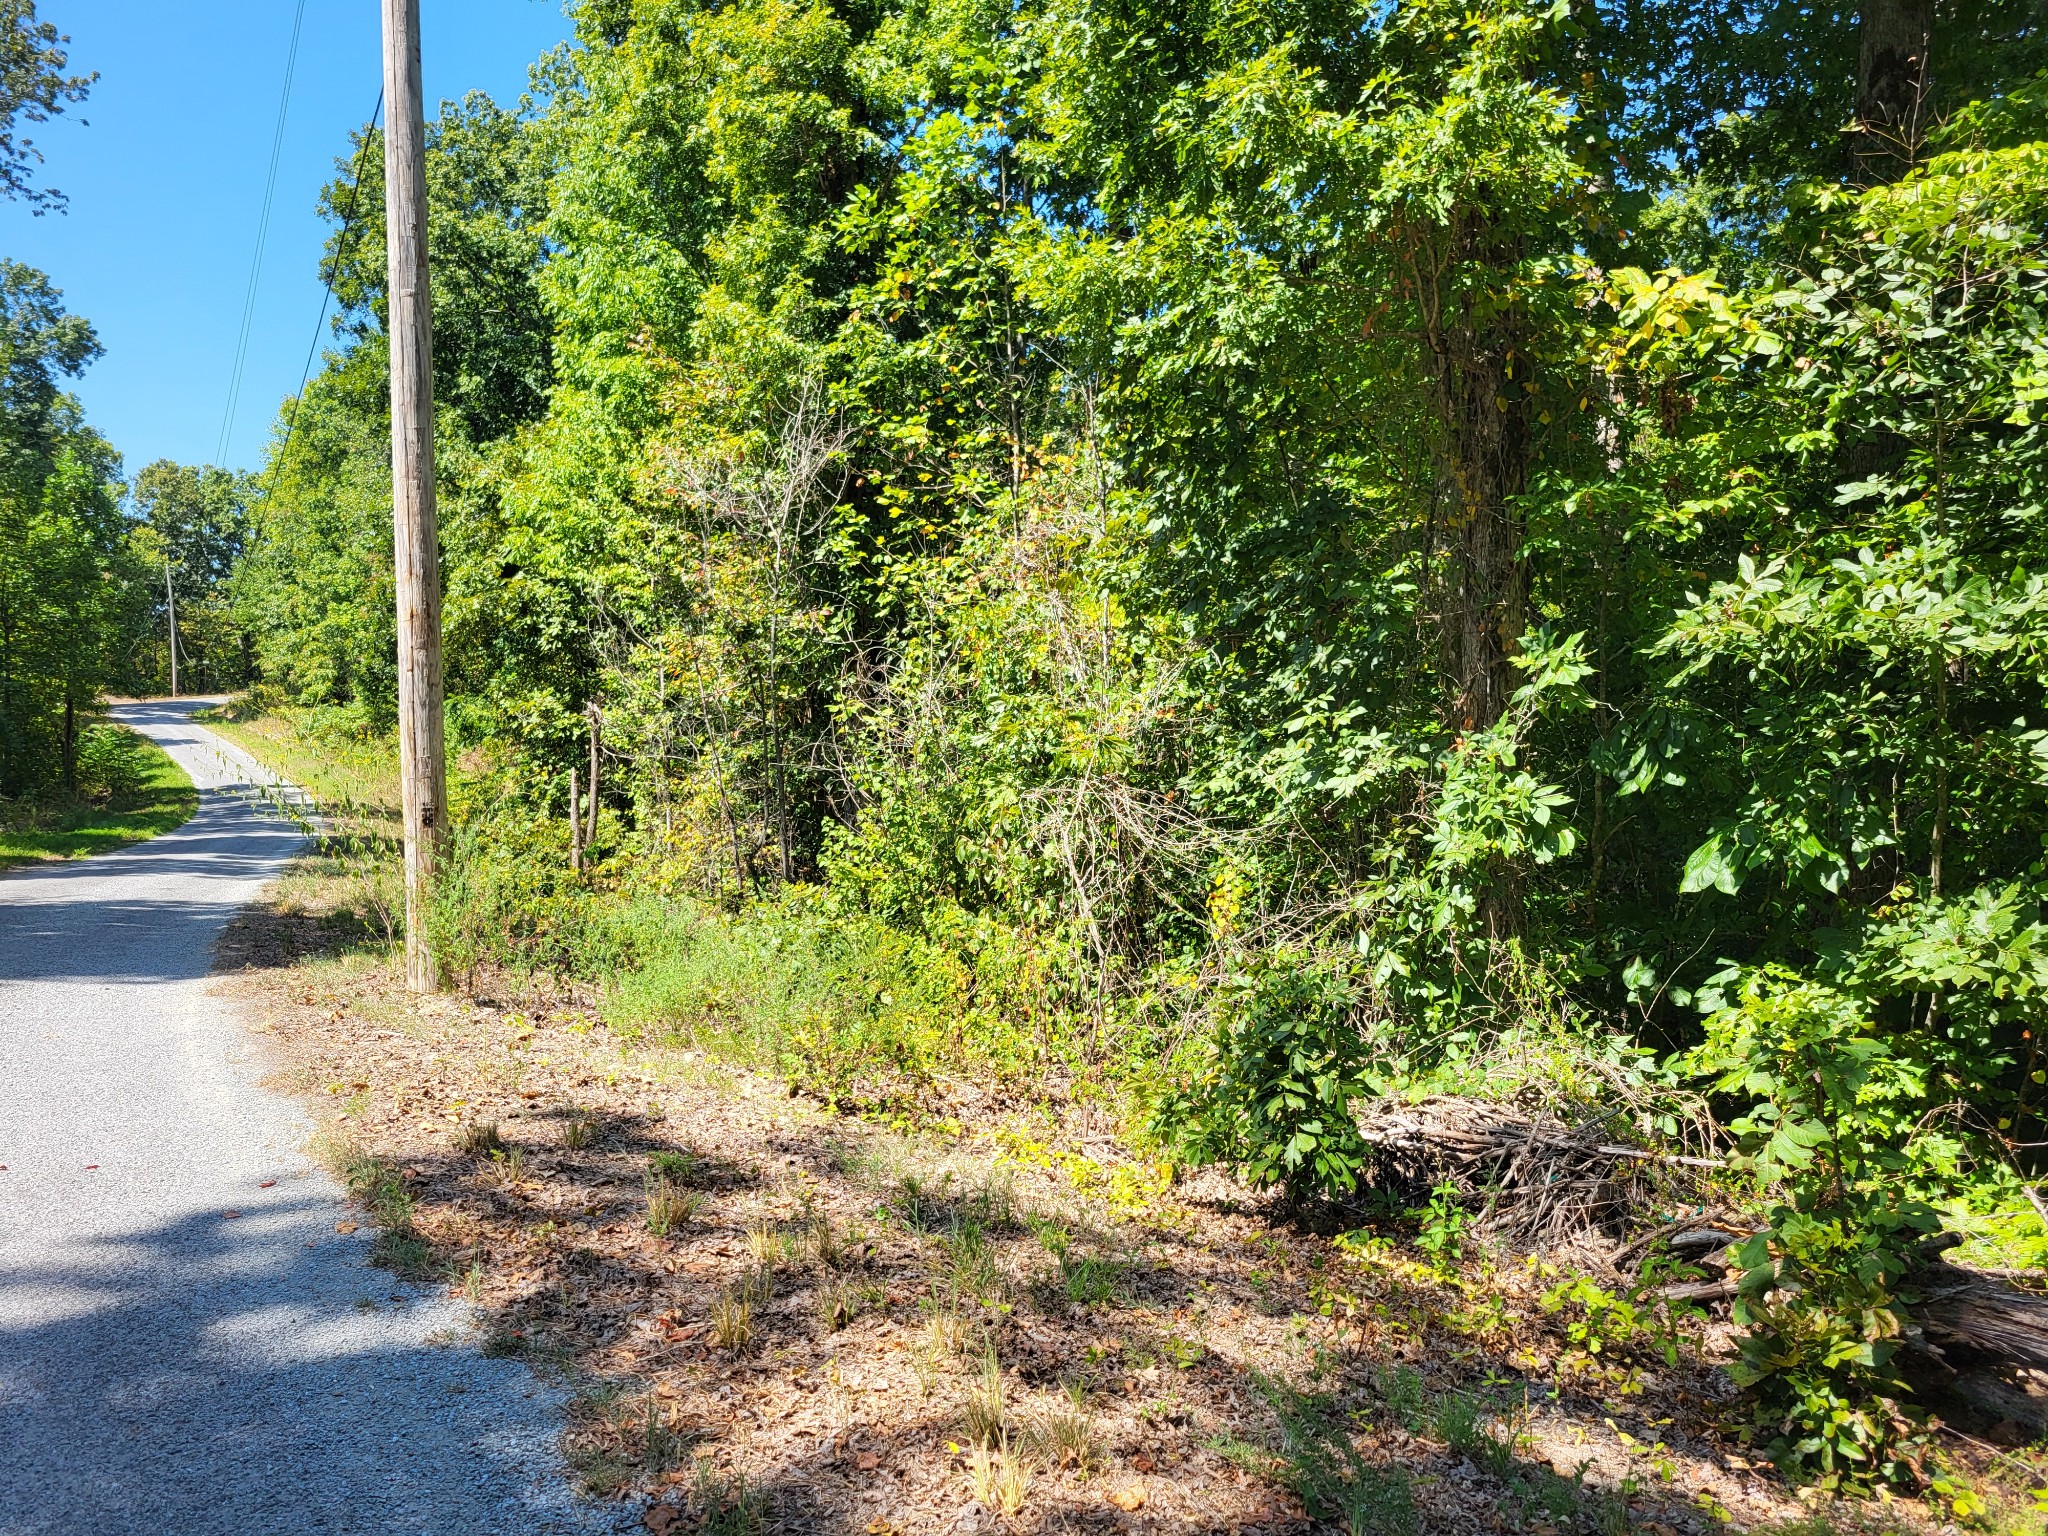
column 171, row 602
column 422, row 775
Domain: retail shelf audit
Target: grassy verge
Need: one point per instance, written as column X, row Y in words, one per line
column 155, row 798
column 335, row 770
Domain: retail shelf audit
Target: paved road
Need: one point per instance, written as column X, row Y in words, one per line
column 166, row 1369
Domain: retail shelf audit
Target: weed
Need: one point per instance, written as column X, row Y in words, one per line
column 764, row 1242
column 629, row 1437
column 662, row 1440
column 1064, row 1436
column 479, row 1138
column 579, row 1130
column 944, row 1332
column 820, row 1240
column 982, row 1412
column 1402, row 1391
column 1458, row 1423
column 676, row 1167
column 471, row 1278
column 1320, row 1463
column 732, row 1321
column 1444, row 1221
column 840, row 1301
column 506, row 1167
column 970, row 1260
column 995, row 1204
column 404, row 1253
column 925, row 1360
column 1088, row 1280
column 380, row 1186
column 838, row 1305
column 1000, row 1477
column 725, row 1506
column 914, row 1205
column 669, row 1207
column 1052, row 1237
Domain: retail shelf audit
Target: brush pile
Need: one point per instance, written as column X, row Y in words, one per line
column 1535, row 1178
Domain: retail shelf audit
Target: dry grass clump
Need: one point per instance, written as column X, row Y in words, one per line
column 670, row 1206
column 732, row 1321
column 1000, row 1476
column 479, row 1138
column 1064, row 1435
column 983, row 1410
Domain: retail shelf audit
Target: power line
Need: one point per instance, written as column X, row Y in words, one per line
column 284, row 102
column 348, row 219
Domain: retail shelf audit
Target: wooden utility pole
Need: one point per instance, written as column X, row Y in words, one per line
column 422, row 775
column 171, row 603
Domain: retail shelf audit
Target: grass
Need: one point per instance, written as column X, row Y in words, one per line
column 157, row 799
column 1000, row 1478
column 337, row 768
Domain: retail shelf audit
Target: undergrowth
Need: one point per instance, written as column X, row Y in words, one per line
column 127, row 790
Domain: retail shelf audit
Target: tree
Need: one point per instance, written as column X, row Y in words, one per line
column 33, row 89
column 197, row 522
column 61, row 536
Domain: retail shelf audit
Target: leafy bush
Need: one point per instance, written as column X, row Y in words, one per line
column 1836, row 1128
column 110, row 763
column 1273, row 1088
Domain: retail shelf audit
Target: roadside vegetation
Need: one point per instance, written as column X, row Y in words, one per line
column 127, row 790
column 1431, row 612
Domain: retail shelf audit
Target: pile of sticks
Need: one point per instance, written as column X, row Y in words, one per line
column 1538, row 1180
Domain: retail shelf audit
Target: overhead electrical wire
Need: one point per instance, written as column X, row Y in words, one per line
column 284, row 102
column 348, row 224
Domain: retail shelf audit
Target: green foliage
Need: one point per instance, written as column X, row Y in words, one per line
column 1286, row 1061
column 1443, row 1222
column 1240, row 559
column 128, row 790
column 1838, row 1131
column 193, row 528
column 1320, row 1462
column 1598, row 1320
column 66, row 582
column 33, row 89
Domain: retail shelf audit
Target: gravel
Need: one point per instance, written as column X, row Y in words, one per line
column 187, row 1345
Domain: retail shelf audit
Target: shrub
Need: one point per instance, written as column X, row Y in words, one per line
column 1273, row 1090
column 110, row 763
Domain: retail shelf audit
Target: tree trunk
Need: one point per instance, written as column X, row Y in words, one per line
column 1484, row 404
column 1483, row 401
column 575, row 823
column 1893, row 81
column 596, row 737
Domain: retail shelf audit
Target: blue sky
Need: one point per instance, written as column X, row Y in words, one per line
column 166, row 175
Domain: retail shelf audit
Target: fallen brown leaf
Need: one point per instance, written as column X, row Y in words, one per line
column 1128, row 1498
column 867, row 1461
column 344, row 1227
column 1143, row 1463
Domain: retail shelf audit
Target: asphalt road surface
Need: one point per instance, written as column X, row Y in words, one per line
column 168, row 1368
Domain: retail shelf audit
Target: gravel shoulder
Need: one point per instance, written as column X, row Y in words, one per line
column 187, row 1342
